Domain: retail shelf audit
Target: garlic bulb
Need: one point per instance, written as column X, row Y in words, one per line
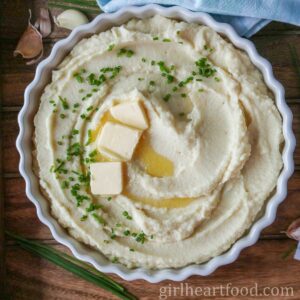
column 70, row 19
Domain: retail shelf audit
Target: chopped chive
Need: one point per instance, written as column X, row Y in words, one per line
column 99, row 219
column 186, row 81
column 126, row 215
column 170, row 78
column 115, row 260
column 141, row 238
column 75, row 131
column 167, row 97
column 65, row 184
column 93, row 207
column 78, row 77
column 113, row 235
column 64, row 102
column 93, row 80
column 110, row 47
column 89, row 137
column 163, row 67
column 126, row 232
column 93, row 153
column 125, row 52
column 84, row 217
column 204, row 68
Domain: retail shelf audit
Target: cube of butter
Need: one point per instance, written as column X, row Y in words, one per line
column 119, row 140
column 106, row 178
column 130, row 113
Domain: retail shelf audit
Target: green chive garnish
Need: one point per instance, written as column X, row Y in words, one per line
column 126, row 215
column 167, row 97
column 110, row 47
column 71, row 264
column 64, row 102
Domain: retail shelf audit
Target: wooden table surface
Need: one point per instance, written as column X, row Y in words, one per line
column 24, row 276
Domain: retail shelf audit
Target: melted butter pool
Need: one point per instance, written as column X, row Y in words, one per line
column 161, row 203
column 151, row 161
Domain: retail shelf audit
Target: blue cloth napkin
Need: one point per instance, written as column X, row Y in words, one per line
column 297, row 253
column 246, row 16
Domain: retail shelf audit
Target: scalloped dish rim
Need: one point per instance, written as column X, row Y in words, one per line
column 24, row 144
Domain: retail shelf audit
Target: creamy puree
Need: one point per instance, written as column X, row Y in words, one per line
column 203, row 169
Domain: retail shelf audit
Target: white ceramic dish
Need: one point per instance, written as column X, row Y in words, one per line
column 24, row 143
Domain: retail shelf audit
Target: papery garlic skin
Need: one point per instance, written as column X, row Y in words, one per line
column 70, row 19
column 293, row 230
column 30, row 45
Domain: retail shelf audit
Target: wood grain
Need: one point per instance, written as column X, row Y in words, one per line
column 262, row 264
column 29, row 277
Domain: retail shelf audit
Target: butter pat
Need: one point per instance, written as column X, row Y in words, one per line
column 130, row 113
column 106, row 178
column 119, row 140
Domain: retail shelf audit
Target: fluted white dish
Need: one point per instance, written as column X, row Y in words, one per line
column 25, row 145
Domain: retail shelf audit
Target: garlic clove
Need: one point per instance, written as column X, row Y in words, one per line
column 293, row 230
column 43, row 23
column 36, row 59
column 30, row 44
column 70, row 19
